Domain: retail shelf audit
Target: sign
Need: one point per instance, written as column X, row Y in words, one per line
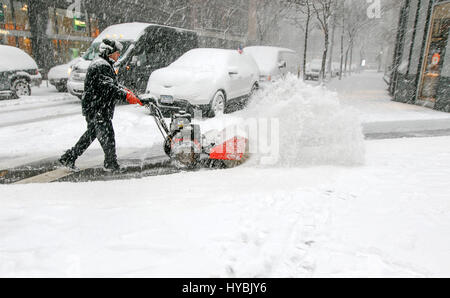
column 79, row 25
column 435, row 59
column 2, row 13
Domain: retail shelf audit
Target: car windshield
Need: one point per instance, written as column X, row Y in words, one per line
column 93, row 51
column 205, row 59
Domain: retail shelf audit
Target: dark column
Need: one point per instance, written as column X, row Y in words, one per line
column 41, row 47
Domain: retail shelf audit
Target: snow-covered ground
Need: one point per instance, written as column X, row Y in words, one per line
column 357, row 208
column 390, row 217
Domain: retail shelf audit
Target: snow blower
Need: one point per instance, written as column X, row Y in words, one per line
column 188, row 148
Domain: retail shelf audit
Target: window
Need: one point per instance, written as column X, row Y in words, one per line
column 21, row 15
column 436, row 46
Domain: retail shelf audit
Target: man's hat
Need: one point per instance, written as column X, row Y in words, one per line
column 108, row 47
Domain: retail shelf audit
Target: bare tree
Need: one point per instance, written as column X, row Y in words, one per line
column 353, row 20
column 301, row 14
column 333, row 31
column 323, row 11
column 306, row 9
column 268, row 15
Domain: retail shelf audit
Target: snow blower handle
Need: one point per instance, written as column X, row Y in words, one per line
column 149, row 103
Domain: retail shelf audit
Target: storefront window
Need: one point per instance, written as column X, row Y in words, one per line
column 6, row 19
column 77, row 26
column 71, row 36
column 21, row 16
column 436, row 45
column 14, row 18
column 68, row 50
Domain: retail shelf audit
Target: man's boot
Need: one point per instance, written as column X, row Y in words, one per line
column 68, row 161
column 113, row 167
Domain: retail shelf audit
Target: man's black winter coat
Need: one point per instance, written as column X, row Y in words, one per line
column 102, row 90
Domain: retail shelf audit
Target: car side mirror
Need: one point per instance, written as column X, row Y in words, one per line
column 282, row 64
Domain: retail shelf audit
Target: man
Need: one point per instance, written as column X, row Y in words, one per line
column 102, row 91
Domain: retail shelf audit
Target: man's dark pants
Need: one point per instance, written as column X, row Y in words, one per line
column 103, row 131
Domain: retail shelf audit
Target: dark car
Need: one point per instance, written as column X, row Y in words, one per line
column 18, row 72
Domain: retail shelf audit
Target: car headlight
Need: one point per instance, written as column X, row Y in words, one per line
column 69, row 71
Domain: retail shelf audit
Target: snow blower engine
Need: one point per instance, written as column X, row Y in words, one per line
column 188, row 148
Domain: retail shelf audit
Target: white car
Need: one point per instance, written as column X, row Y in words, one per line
column 274, row 62
column 204, row 79
column 313, row 69
column 336, row 68
column 58, row 75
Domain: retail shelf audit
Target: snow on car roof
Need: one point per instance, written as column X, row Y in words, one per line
column 203, row 56
column 266, row 57
column 12, row 58
column 128, row 31
column 268, row 49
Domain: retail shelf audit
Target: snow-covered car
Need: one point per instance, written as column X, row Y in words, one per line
column 274, row 62
column 147, row 47
column 205, row 79
column 336, row 68
column 313, row 69
column 59, row 75
column 18, row 72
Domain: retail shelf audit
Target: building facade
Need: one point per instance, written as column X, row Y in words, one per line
column 421, row 64
column 45, row 29
column 57, row 31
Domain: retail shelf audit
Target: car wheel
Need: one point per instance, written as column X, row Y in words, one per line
column 21, row 87
column 217, row 106
column 61, row 88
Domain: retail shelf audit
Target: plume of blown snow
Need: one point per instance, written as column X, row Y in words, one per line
column 314, row 128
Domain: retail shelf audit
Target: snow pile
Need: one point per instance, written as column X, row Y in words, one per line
column 314, row 129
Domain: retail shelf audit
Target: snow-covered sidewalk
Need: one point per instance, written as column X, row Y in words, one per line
column 367, row 94
column 390, row 217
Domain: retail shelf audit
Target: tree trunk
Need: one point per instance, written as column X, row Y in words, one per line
column 351, row 58
column 342, row 47
column 330, row 60
column 346, row 61
column 324, row 57
column 305, row 50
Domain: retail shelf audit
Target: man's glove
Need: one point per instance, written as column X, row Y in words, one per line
column 132, row 99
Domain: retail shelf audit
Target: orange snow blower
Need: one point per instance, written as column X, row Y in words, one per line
column 188, row 148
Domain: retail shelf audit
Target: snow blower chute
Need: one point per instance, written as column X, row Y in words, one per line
column 188, row 148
